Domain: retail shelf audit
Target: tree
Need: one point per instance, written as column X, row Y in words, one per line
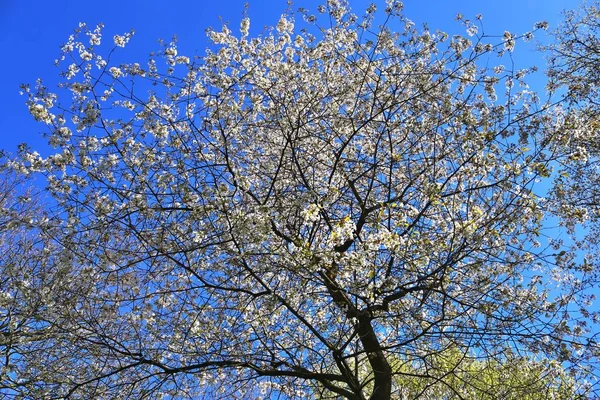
column 299, row 209
column 574, row 59
column 575, row 53
column 573, row 72
column 451, row 374
column 468, row 378
column 26, row 282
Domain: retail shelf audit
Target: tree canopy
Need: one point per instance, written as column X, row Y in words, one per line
column 345, row 206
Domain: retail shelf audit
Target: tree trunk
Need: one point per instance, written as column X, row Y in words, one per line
column 382, row 372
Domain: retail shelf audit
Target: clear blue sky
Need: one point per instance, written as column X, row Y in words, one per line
column 31, row 32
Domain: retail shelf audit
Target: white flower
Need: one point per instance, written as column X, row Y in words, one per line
column 100, row 63
column 580, row 154
column 161, row 131
column 342, row 231
column 85, row 55
column 40, row 113
column 67, row 48
column 95, row 39
column 197, row 237
column 472, row 30
column 5, row 298
column 284, row 25
column 115, row 72
column 196, row 328
column 121, row 41
column 64, row 132
column 509, row 41
column 245, row 26
column 78, row 87
column 311, row 213
column 72, row 71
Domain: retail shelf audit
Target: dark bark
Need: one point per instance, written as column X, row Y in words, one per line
column 382, row 372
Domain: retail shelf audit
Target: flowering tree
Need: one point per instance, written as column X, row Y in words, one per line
column 26, row 283
column 325, row 210
column 574, row 69
column 574, row 72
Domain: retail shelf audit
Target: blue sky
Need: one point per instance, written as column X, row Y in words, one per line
column 31, row 32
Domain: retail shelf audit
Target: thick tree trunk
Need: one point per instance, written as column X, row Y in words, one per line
column 382, row 372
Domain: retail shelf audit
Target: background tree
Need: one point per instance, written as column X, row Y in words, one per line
column 461, row 377
column 299, row 209
column 452, row 374
column 574, row 57
column 573, row 73
column 27, row 283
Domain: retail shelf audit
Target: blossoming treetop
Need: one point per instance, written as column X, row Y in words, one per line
column 311, row 212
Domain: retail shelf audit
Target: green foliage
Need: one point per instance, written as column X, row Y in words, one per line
column 452, row 374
